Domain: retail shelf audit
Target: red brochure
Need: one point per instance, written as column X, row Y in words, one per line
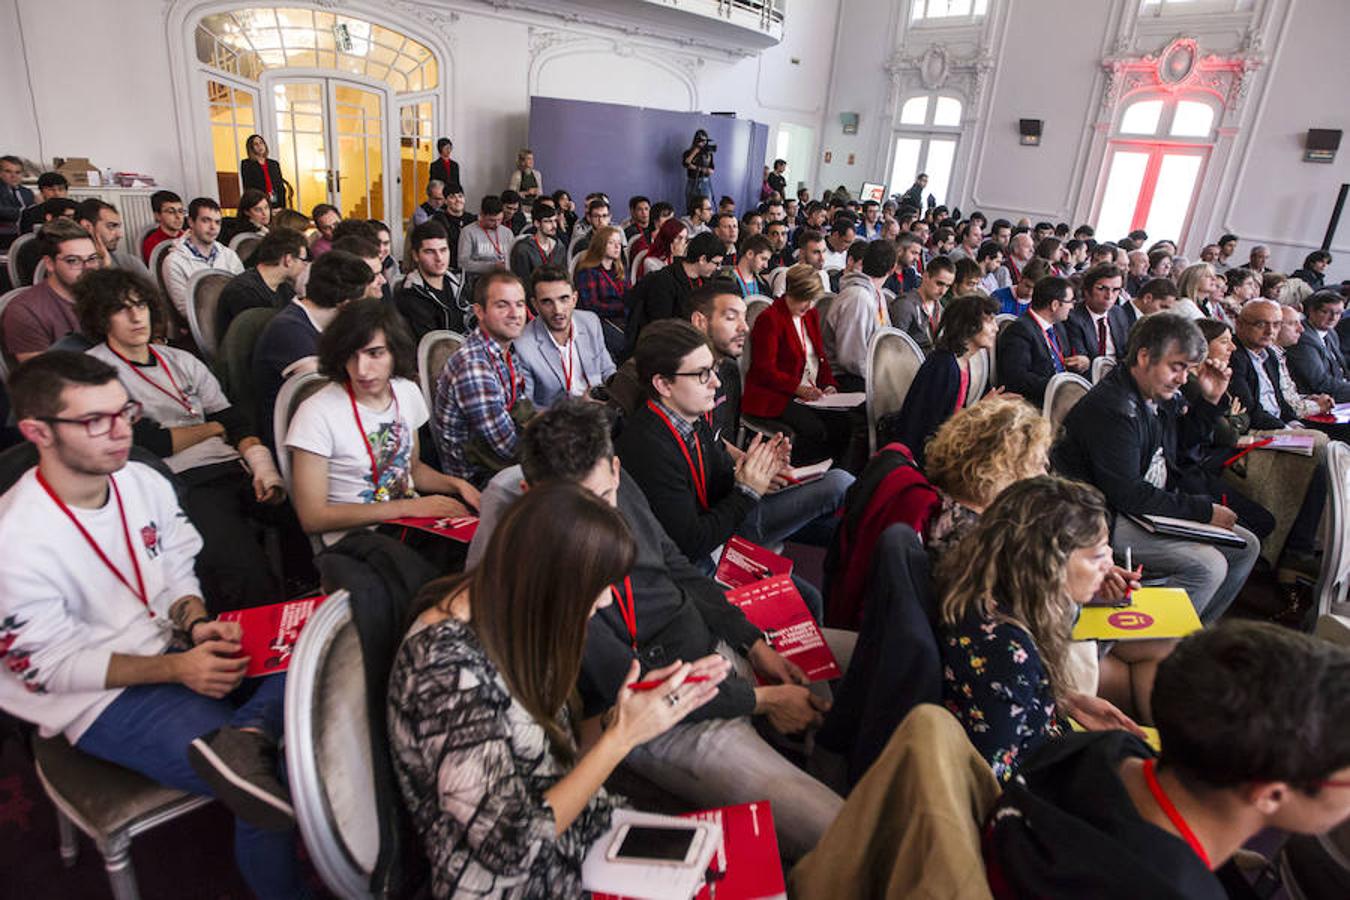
column 775, row 607
column 746, row 865
column 270, row 632
column 745, row 563
column 456, row 528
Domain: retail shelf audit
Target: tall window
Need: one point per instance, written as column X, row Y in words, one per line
column 1153, row 166
column 925, row 141
column 233, row 119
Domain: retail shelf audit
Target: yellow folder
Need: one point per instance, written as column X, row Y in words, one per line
column 1153, row 613
column 1150, row 735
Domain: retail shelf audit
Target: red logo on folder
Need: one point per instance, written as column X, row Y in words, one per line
column 1130, row 620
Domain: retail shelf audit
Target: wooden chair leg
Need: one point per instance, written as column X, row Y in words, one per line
column 121, row 876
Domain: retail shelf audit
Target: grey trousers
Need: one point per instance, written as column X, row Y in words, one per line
column 1210, row 573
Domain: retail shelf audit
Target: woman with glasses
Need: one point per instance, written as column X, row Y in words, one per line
column 231, row 480
column 700, row 492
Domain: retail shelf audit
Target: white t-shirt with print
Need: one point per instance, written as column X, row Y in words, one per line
column 324, row 425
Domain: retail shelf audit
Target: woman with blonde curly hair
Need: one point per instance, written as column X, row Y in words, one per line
column 975, row 454
column 1010, row 591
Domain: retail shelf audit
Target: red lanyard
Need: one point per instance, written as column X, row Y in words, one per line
column 510, row 371
column 627, row 609
column 745, row 286
column 569, row 361
column 1173, row 814
column 178, row 396
column 699, row 476
column 496, row 244
column 375, row 470
column 139, row 590
column 618, row 291
column 538, row 246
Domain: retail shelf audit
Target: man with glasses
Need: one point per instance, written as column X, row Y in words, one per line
column 44, row 313
column 1036, row 347
column 534, row 251
column 169, row 213
column 1093, row 331
column 96, row 588
column 198, row 251
column 279, row 260
column 1256, row 371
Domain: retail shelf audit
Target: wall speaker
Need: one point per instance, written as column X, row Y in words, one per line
column 1030, row 131
column 850, row 122
column 1321, row 144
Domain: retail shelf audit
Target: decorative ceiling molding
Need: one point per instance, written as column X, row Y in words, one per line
column 1180, row 66
column 937, row 68
column 546, row 45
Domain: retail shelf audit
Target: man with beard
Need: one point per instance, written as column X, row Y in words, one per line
column 562, row 351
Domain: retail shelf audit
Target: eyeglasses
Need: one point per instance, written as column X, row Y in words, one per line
column 81, row 262
column 1266, row 325
column 1334, row 782
column 703, row 375
column 173, row 210
column 99, row 424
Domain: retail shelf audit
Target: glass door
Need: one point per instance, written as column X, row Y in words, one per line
column 330, row 143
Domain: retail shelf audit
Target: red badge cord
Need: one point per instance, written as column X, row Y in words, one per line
column 1173, row 814
column 178, row 395
column 139, row 589
column 510, row 372
column 627, row 610
column 699, row 476
column 365, row 440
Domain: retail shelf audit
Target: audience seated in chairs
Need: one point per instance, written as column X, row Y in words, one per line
column 787, row 363
column 665, row 294
column 919, row 313
column 1127, row 437
column 104, row 224
column 51, row 186
column 718, row 757
column 290, row 343
column 597, row 216
column 353, row 443
column 858, row 312
column 668, row 244
column 942, row 386
column 453, row 219
column 90, row 635
column 1015, row 299
column 701, row 495
column 1092, row 331
column 188, row 421
column 600, row 278
column 326, row 218
column 482, row 397
column 197, row 251
column 279, row 261
column 1157, row 295
column 562, row 349
column 483, row 244
column 1317, row 361
column 1036, row 347
column 45, row 312
column 1009, row 591
column 1194, row 285
column 751, row 264
column 1097, row 815
column 430, row 296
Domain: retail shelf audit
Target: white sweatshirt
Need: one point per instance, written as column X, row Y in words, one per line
column 63, row 613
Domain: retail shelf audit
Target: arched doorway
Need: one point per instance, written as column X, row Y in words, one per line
column 346, row 105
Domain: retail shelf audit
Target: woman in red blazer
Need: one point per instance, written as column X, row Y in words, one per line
column 787, row 363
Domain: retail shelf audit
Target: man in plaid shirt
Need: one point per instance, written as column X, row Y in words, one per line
column 482, row 394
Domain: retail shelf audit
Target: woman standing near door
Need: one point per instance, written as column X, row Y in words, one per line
column 258, row 172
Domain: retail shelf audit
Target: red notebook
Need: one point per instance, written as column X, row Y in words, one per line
column 746, row 866
column 270, row 632
column 745, row 563
column 456, row 528
column 774, row 607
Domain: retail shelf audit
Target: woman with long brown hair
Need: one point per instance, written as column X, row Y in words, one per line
column 1010, row 590
column 599, row 276
column 480, row 718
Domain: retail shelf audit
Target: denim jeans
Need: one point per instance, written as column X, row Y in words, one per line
column 148, row 729
column 805, row 513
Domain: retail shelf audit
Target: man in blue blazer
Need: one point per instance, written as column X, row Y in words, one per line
column 562, row 351
column 1035, row 348
column 1316, row 361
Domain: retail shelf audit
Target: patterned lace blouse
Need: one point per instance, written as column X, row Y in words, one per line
column 473, row 767
column 993, row 681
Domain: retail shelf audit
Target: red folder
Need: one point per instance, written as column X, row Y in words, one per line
column 745, row 563
column 746, row 866
column 456, row 528
column 774, row 607
column 270, row 632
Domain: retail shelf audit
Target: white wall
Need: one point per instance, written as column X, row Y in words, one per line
column 103, row 80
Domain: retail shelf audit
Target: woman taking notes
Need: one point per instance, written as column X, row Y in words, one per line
column 488, row 760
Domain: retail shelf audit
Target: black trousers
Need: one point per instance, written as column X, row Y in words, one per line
column 233, row 568
column 818, row 433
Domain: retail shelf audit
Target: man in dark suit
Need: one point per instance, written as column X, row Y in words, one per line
column 1035, row 348
column 1126, row 438
column 1256, row 371
column 14, row 197
column 1091, row 331
column 1157, row 295
column 1316, row 361
column 443, row 168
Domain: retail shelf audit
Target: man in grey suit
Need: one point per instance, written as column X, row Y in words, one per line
column 562, row 351
column 1316, row 361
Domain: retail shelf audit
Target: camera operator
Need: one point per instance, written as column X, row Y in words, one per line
column 698, row 167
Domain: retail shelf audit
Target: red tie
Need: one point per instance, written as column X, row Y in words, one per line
column 1101, row 336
